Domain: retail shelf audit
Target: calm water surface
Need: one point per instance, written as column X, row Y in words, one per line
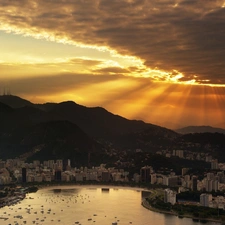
column 86, row 206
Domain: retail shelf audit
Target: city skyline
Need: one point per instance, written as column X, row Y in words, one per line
column 158, row 61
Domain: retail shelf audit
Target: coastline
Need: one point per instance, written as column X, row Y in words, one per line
column 12, row 200
column 144, row 202
column 66, row 186
column 146, row 205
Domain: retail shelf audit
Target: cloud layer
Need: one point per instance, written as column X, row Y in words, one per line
column 182, row 35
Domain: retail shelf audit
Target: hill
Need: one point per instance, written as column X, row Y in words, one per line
column 5, row 108
column 96, row 122
column 200, row 129
column 50, row 140
column 14, row 101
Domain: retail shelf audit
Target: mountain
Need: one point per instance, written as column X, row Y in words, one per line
column 200, row 129
column 97, row 121
column 150, row 139
column 14, row 101
column 26, row 116
column 5, row 108
column 17, row 135
column 50, row 140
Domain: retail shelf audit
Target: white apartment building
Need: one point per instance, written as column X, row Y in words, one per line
column 169, row 196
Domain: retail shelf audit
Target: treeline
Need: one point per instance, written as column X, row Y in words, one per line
column 195, row 195
column 189, row 196
column 194, row 211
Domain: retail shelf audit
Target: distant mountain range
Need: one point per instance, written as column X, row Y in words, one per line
column 66, row 129
column 200, row 129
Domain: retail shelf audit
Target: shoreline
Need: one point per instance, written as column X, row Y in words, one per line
column 92, row 186
column 146, row 205
column 12, row 200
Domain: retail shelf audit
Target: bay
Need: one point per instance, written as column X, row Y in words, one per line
column 87, row 205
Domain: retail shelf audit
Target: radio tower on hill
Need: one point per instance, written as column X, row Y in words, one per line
column 6, row 91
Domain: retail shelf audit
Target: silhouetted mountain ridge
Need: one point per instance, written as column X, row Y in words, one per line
column 14, row 101
column 18, row 128
column 200, row 129
column 97, row 121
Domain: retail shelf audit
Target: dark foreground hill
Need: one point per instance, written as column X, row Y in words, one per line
column 50, row 140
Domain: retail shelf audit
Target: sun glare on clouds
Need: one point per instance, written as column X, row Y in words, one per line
column 140, row 59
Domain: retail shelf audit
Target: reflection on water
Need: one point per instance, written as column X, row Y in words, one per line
column 86, row 206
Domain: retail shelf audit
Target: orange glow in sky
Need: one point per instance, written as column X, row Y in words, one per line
column 161, row 62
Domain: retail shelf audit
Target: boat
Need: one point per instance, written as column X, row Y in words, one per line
column 105, row 189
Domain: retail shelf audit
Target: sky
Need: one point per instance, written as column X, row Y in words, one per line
column 161, row 61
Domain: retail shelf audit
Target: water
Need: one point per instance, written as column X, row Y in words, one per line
column 86, row 206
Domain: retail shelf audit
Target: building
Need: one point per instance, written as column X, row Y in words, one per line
column 194, row 183
column 208, row 185
column 153, row 178
column 145, row 173
column 178, row 153
column 171, row 181
column 2, row 164
column 58, row 175
column 24, row 175
column 205, row 199
column 214, row 164
column 169, row 196
column 184, row 171
column 66, row 164
column 105, row 176
column 59, row 163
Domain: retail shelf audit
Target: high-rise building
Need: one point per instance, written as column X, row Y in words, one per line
column 220, row 176
column 208, row 185
column 58, row 175
column 145, row 173
column 214, row 164
column 194, row 183
column 184, row 171
column 153, row 178
column 24, row 175
column 66, row 164
column 210, row 176
column 215, row 185
column 171, row 181
column 169, row 196
column 59, row 163
column 205, row 199
column 105, row 176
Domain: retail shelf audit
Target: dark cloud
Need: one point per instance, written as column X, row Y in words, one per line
column 115, row 70
column 185, row 35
